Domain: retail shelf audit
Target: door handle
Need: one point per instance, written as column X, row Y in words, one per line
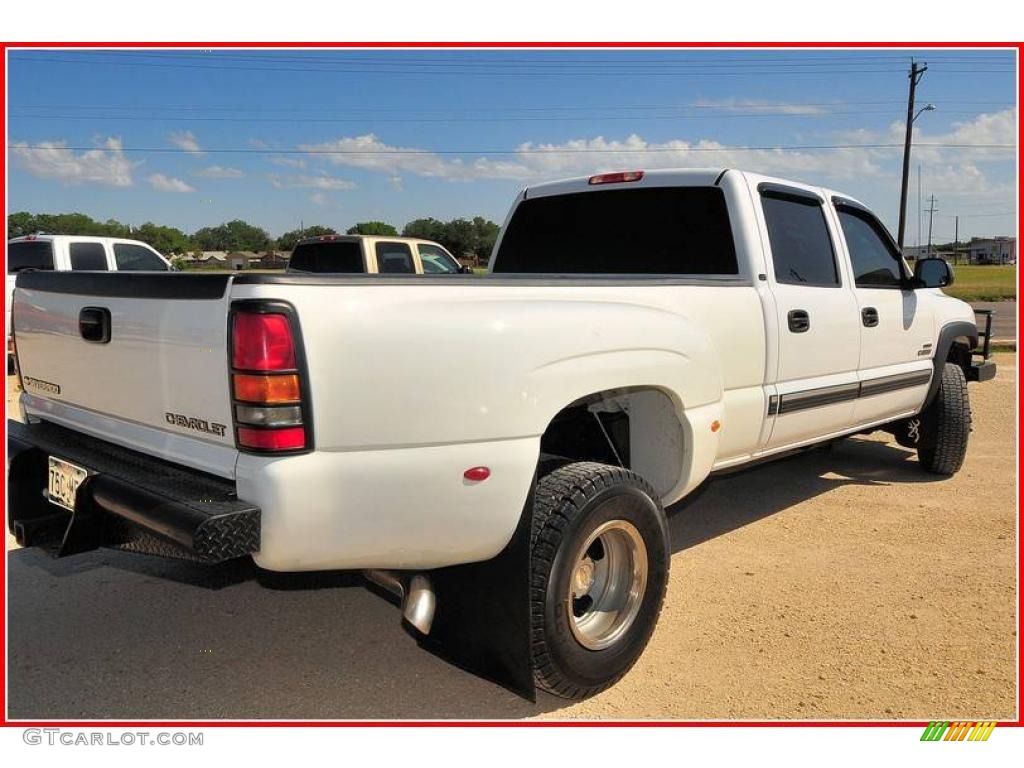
column 799, row 320
column 94, row 324
column 869, row 316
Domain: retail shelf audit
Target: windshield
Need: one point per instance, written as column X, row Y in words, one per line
column 29, row 254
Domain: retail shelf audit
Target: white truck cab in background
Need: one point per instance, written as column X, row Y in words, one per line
column 637, row 333
column 74, row 252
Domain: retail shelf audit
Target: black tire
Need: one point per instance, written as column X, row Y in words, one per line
column 946, row 424
column 571, row 504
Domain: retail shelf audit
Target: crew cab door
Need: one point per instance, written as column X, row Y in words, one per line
column 817, row 330
column 897, row 329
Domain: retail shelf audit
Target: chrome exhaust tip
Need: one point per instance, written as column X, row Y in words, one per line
column 415, row 592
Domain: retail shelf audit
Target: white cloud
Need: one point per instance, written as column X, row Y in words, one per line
column 532, row 161
column 318, row 198
column 321, row 181
column 164, row 183
column 758, row 106
column 185, row 140
column 53, row 160
column 220, row 172
column 370, row 153
column 288, row 162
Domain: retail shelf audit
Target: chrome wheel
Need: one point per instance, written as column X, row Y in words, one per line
column 607, row 583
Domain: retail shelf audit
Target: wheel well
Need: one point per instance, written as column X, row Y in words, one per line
column 960, row 353
column 637, row 428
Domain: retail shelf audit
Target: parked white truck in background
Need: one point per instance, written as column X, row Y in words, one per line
column 74, row 252
column 638, row 332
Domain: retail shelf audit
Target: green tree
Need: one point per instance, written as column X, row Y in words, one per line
column 426, row 229
column 235, row 235
column 460, row 237
column 20, row 224
column 167, row 240
column 372, row 228
column 486, row 236
column 287, row 241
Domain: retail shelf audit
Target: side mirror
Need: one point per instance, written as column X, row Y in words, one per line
column 466, row 269
column 933, row 273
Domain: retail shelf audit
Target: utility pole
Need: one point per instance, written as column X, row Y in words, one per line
column 916, row 73
column 931, row 214
column 956, row 240
column 919, row 205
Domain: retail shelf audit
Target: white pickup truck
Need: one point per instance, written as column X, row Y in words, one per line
column 638, row 333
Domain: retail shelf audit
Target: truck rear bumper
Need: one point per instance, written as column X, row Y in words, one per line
column 129, row 501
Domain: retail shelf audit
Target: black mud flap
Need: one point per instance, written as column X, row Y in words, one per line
column 482, row 621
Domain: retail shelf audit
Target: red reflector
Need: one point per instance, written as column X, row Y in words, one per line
column 262, row 342
column 286, row 439
column 476, row 474
column 615, row 178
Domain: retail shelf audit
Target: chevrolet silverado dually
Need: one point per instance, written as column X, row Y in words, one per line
column 637, row 334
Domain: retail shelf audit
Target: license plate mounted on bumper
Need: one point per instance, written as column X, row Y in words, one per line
column 64, row 481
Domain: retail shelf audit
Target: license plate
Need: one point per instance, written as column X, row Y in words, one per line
column 65, row 478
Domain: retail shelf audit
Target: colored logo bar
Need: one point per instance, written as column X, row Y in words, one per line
column 965, row 730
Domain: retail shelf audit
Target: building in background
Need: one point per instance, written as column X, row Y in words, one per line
column 992, row 250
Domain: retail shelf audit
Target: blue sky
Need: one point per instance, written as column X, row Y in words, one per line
column 334, row 137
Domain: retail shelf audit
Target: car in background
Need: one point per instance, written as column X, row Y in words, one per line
column 373, row 254
column 64, row 253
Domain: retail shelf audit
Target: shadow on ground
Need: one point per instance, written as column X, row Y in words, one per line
column 115, row 635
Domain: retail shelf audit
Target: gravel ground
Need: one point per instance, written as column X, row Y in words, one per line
column 841, row 583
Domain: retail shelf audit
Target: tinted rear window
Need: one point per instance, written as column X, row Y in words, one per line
column 31, row 254
column 654, row 231
column 88, row 256
column 394, row 258
column 337, row 256
column 131, row 257
column 801, row 245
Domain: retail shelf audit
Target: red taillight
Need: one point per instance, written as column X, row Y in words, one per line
column 262, row 342
column 616, row 178
column 266, row 383
column 286, row 439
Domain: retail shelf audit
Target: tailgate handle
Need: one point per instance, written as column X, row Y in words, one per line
column 94, row 324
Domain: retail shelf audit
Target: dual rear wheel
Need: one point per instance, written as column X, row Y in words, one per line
column 599, row 568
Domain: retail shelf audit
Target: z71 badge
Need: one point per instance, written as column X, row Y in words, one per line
column 199, row 425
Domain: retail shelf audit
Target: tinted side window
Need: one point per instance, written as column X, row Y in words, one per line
column 394, row 258
column 645, row 231
column 875, row 263
column 130, row 257
column 801, row 245
column 92, row 256
column 29, row 254
column 343, row 256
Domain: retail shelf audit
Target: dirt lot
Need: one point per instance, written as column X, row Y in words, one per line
column 842, row 583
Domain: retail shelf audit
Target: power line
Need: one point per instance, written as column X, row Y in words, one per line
column 478, row 119
column 522, row 151
column 498, row 108
column 622, row 71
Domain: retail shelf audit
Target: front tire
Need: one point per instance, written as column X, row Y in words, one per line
column 599, row 569
column 945, row 424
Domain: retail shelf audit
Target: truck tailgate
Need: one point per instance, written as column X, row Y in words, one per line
column 137, row 359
